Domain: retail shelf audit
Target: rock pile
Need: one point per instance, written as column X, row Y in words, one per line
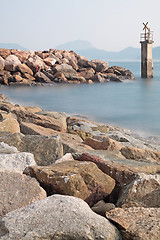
column 19, row 67
column 59, row 173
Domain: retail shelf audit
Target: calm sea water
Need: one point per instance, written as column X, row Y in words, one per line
column 133, row 104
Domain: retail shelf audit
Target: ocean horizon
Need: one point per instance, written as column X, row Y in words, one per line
column 133, row 104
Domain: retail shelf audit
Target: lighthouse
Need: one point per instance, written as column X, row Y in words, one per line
column 146, row 40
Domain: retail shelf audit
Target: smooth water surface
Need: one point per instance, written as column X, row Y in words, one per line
column 132, row 104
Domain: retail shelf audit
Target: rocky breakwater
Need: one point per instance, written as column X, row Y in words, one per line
column 59, row 174
column 19, row 67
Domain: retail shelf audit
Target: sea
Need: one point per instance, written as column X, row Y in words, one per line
column 132, row 104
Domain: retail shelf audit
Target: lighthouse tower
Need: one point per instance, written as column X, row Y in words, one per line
column 146, row 40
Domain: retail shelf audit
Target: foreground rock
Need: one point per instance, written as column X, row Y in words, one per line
column 144, row 191
column 18, row 190
column 45, row 149
column 16, row 162
column 57, row 217
column 137, row 223
column 79, row 179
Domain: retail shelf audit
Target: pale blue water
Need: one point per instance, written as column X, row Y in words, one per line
column 133, row 104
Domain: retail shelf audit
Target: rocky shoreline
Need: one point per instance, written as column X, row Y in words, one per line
column 64, row 177
column 28, row 68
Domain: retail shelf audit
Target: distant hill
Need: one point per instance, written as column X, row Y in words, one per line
column 88, row 50
column 12, row 46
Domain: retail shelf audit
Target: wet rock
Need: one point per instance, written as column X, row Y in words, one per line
column 72, row 218
column 11, row 63
column 144, row 191
column 79, row 179
column 18, row 190
column 136, row 223
column 16, row 162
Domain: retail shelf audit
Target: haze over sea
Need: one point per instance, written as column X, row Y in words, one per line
column 133, row 104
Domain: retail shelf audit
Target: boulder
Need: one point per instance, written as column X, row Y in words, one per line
column 16, row 162
column 101, row 66
column 86, row 73
column 105, row 143
column 34, row 62
column 57, row 217
column 59, row 78
column 2, row 63
column 6, row 149
column 41, row 77
column 79, row 179
column 8, row 123
column 22, row 55
column 23, row 68
column 11, row 63
column 120, row 173
column 5, row 77
column 33, row 129
column 98, row 77
column 66, row 69
column 144, row 191
column 33, row 109
column 4, row 52
column 140, row 154
column 136, row 223
column 46, row 149
column 39, row 119
column 85, row 63
column 18, row 190
column 50, row 61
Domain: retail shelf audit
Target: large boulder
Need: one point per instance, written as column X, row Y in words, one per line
column 144, row 191
column 2, row 63
column 79, row 179
column 137, row 223
column 22, row 55
column 16, row 162
column 46, row 149
column 11, row 63
column 18, row 190
column 57, row 217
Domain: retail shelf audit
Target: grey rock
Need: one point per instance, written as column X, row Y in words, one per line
column 41, row 77
column 18, row 190
column 57, row 217
column 16, row 161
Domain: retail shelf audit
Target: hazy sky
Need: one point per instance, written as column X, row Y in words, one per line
column 107, row 24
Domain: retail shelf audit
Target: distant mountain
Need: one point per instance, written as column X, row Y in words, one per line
column 86, row 49
column 12, row 46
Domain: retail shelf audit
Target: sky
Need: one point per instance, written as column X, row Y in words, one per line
column 111, row 25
